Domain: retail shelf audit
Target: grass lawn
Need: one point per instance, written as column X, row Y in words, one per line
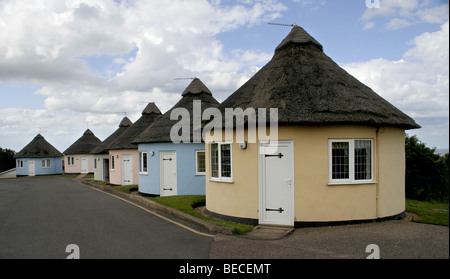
column 429, row 212
column 187, row 203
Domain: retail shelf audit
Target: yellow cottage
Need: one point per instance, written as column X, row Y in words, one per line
column 339, row 154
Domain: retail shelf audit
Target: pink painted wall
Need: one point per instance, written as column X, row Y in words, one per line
column 115, row 176
column 76, row 167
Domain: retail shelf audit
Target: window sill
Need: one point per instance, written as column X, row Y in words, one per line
column 221, row 180
column 351, row 183
column 143, row 173
column 200, row 174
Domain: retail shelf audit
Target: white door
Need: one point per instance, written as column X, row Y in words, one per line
column 127, row 169
column 31, row 168
column 84, row 165
column 276, row 183
column 168, row 173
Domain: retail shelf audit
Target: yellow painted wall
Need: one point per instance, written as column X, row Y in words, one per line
column 314, row 198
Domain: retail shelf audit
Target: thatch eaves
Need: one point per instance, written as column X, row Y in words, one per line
column 160, row 130
column 39, row 148
column 309, row 88
column 84, row 145
column 124, row 141
column 123, row 126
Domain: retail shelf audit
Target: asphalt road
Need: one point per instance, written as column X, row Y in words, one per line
column 40, row 217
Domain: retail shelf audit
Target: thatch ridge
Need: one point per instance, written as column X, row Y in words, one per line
column 39, row 147
column 123, row 126
column 84, row 145
column 159, row 131
column 124, row 141
column 309, row 88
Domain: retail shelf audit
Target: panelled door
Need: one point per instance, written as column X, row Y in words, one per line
column 127, row 169
column 168, row 173
column 276, row 183
column 84, row 165
column 31, row 168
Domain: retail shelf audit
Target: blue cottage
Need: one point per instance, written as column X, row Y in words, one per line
column 167, row 168
column 39, row 158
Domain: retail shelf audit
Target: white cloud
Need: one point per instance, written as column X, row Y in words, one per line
column 417, row 84
column 147, row 43
column 401, row 14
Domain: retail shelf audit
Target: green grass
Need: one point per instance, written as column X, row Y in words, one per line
column 187, row 203
column 429, row 212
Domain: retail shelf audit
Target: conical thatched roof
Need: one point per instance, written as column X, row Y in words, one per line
column 124, row 141
column 309, row 88
column 83, row 145
column 160, row 130
column 123, row 126
column 39, row 148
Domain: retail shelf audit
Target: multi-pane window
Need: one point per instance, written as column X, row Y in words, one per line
column 45, row 164
column 200, row 162
column 143, row 162
column 70, row 161
column 19, row 164
column 221, row 161
column 350, row 161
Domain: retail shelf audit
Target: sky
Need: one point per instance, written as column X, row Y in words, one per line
column 66, row 66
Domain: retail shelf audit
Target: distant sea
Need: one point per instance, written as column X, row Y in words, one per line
column 441, row 152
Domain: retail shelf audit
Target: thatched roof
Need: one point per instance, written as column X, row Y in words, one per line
column 160, row 130
column 124, row 141
column 309, row 88
column 38, row 148
column 123, row 126
column 83, row 145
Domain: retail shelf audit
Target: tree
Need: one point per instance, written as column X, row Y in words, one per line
column 7, row 159
column 427, row 173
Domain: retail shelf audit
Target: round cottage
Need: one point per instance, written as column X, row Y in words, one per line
column 338, row 156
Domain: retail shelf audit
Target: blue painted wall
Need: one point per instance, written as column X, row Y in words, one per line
column 187, row 182
column 55, row 166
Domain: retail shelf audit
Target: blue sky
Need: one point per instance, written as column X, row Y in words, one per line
column 68, row 65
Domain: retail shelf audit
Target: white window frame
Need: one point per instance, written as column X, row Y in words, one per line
column 351, row 179
column 112, row 162
column 70, row 160
column 220, row 178
column 45, row 164
column 20, row 164
column 196, row 162
column 141, row 162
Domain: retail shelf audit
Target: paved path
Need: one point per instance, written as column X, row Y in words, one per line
column 395, row 240
column 40, row 216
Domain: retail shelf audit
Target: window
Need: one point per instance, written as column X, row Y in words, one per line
column 143, row 162
column 70, row 161
column 95, row 163
column 112, row 162
column 19, row 164
column 200, row 162
column 350, row 161
column 221, row 162
column 45, row 164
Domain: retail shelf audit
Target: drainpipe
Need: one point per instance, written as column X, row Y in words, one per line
column 380, row 130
